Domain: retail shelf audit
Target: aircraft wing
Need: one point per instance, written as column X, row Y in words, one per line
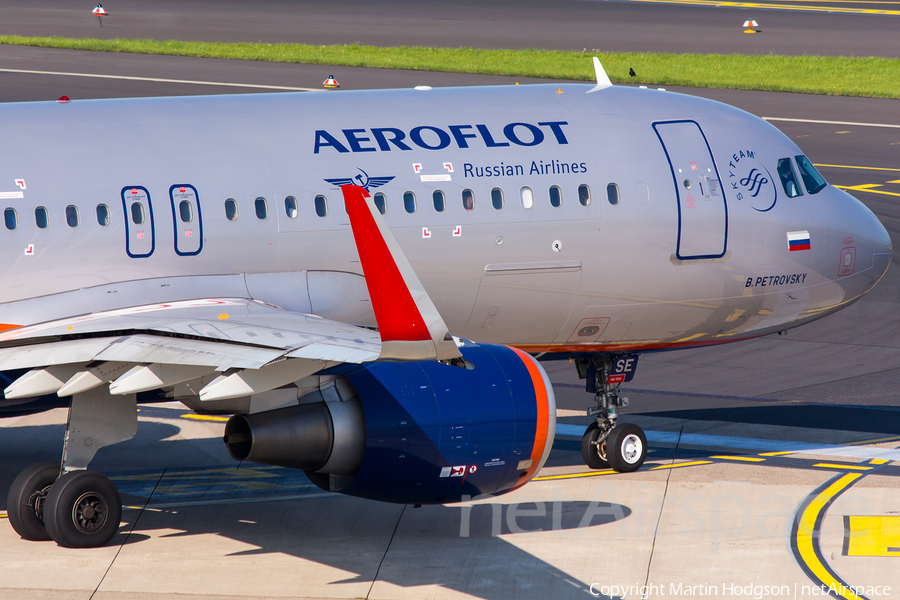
column 147, row 347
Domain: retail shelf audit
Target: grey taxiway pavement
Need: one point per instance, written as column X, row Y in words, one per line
column 773, row 462
column 792, row 27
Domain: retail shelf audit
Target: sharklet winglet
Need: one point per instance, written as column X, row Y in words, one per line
column 603, row 81
column 410, row 326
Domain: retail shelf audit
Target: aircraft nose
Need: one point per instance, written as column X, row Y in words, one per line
column 882, row 249
column 870, row 229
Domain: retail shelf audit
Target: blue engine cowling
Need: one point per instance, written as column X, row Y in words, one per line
column 420, row 433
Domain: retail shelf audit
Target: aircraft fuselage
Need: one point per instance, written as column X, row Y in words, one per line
column 538, row 216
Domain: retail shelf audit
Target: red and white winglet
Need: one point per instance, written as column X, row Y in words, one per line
column 410, row 326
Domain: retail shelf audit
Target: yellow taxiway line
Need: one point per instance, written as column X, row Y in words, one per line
column 864, row 188
column 842, row 467
column 575, row 475
column 805, row 535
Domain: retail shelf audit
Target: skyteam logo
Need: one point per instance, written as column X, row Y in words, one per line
column 754, row 182
column 749, row 180
column 362, row 180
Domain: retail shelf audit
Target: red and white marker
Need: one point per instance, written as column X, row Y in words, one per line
column 100, row 12
column 749, row 25
column 331, row 82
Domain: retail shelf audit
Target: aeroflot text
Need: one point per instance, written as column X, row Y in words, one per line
column 428, row 137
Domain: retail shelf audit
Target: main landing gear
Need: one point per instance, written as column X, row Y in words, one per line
column 621, row 448
column 74, row 507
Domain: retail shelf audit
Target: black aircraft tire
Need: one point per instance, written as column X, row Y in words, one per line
column 591, row 453
column 83, row 510
column 20, row 501
column 626, row 448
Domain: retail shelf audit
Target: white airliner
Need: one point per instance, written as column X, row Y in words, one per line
column 366, row 279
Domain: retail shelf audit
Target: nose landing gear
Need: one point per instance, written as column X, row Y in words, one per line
column 621, row 448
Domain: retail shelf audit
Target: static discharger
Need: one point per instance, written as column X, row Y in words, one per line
column 331, row 82
column 749, row 25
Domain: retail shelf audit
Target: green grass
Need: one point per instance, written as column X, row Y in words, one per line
column 873, row 77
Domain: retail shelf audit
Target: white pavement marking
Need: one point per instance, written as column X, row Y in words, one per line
column 160, row 80
column 722, row 441
column 832, row 122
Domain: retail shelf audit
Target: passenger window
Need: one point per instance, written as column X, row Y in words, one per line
column 231, row 210
column 439, row 201
column 41, row 217
column 468, row 199
column 72, row 217
column 185, row 211
column 612, row 194
column 290, row 207
column 527, row 197
column 497, row 198
column 555, row 196
column 813, row 181
column 788, row 178
column 380, row 203
column 262, row 209
column 102, row 215
column 584, row 195
column 409, row 202
column 321, row 206
column 137, row 213
column 9, row 215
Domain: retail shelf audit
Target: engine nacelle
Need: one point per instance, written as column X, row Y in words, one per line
column 420, row 433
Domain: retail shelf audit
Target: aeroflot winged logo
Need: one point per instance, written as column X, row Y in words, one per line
column 427, row 137
column 363, row 181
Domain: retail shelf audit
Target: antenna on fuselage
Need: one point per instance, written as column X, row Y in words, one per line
column 603, row 81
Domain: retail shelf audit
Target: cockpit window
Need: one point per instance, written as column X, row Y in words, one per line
column 788, row 178
column 811, row 177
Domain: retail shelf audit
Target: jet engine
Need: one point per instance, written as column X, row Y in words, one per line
column 420, row 433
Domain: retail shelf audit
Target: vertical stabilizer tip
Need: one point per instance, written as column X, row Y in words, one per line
column 603, row 81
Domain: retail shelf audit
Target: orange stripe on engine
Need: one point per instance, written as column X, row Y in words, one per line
column 543, row 416
column 8, row 326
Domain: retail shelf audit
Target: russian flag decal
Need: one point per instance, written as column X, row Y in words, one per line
column 798, row 240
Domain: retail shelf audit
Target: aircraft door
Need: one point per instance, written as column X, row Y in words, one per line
column 140, row 235
column 702, row 212
column 187, row 220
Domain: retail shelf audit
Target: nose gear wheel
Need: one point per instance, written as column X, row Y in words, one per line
column 604, row 445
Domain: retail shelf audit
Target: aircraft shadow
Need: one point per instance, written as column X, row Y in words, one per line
column 872, row 418
column 481, row 549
